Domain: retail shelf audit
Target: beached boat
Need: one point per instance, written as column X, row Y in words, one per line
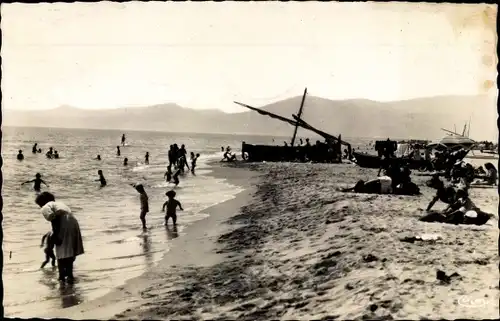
column 373, row 161
column 328, row 152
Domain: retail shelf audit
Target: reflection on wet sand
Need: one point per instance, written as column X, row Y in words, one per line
column 171, row 232
column 69, row 294
column 146, row 249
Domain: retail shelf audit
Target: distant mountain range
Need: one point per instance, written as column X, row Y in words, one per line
column 415, row 118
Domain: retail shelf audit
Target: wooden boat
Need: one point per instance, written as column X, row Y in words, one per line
column 328, row 152
column 373, row 161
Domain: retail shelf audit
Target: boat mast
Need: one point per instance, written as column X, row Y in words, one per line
column 298, row 115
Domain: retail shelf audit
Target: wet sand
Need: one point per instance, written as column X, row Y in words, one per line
column 299, row 249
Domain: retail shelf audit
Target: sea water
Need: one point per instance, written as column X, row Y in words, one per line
column 116, row 249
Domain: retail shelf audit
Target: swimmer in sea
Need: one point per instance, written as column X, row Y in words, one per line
column 98, row 157
column 56, row 154
column 101, row 178
column 40, row 150
column 34, row 149
column 146, row 158
column 171, row 205
column 118, row 151
column 125, row 161
column 37, row 182
column 123, row 140
column 20, row 156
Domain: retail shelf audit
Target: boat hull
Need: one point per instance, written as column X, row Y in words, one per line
column 372, row 161
column 268, row 153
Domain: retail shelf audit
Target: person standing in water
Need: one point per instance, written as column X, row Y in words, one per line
column 125, row 161
column 193, row 161
column 34, row 150
column 37, row 182
column 48, row 240
column 66, row 233
column 20, row 156
column 98, row 157
column 143, row 197
column 56, row 154
column 49, row 153
column 171, row 205
column 146, row 158
column 123, row 140
column 118, row 151
column 101, row 178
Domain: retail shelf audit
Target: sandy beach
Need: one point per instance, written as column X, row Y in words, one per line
column 295, row 248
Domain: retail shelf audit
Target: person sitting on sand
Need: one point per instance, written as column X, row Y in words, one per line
column 101, row 178
column 98, row 157
column 20, row 156
column 48, row 240
column 491, row 175
column 146, row 158
column 37, row 182
column 66, row 233
column 171, row 205
column 445, row 194
column 125, row 161
column 143, row 197
column 462, row 211
column 118, row 153
column 34, row 149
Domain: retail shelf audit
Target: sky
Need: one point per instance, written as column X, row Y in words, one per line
column 206, row 55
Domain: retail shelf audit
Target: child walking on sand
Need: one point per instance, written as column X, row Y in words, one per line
column 171, row 205
column 144, row 203
column 48, row 240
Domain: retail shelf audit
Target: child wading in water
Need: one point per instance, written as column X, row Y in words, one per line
column 171, row 205
column 193, row 161
column 37, row 182
column 144, row 203
column 101, row 178
column 48, row 240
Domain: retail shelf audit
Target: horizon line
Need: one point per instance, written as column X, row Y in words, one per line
column 220, row 110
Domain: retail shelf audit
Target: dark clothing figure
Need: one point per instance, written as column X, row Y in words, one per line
column 66, row 269
column 118, row 153
column 48, row 240
column 34, row 150
column 101, row 178
column 171, row 156
column 37, row 182
column 123, row 140
column 56, row 154
column 193, row 162
column 171, row 204
column 20, row 156
column 176, row 177
column 168, row 174
column 125, row 162
column 445, row 194
column 146, row 158
column 98, row 157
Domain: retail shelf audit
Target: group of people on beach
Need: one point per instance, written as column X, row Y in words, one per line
column 454, row 191
column 65, row 235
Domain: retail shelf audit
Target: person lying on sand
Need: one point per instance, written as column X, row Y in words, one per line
column 381, row 185
column 445, row 193
column 462, row 211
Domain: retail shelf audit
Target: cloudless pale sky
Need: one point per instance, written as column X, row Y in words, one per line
column 205, row 55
